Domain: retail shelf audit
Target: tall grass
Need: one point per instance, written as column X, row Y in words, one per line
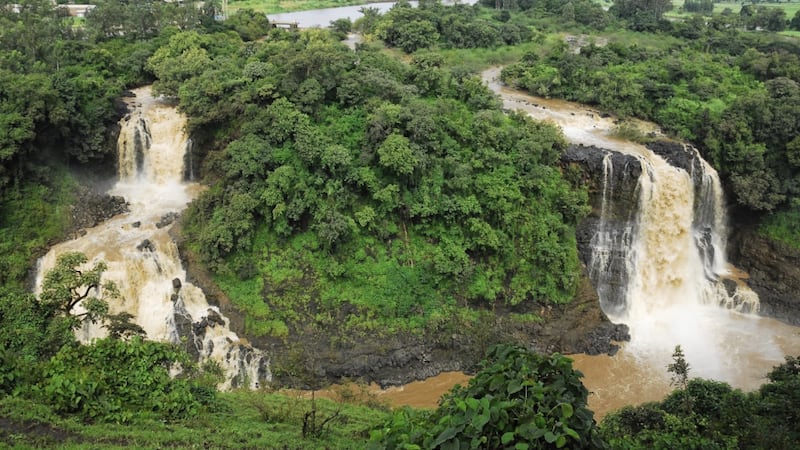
column 242, row 420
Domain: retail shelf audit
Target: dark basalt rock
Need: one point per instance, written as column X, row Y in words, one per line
column 185, row 329
column 626, row 172
column 167, row 219
column 146, row 245
column 92, row 208
column 616, row 224
column 675, row 153
column 774, row 270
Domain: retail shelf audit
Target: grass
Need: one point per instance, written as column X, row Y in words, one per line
column 478, row 59
column 791, row 8
column 241, row 420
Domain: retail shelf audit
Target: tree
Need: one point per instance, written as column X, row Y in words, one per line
column 779, row 399
column 679, row 368
column 249, row 24
column 518, row 399
column 182, row 58
column 641, row 14
column 794, row 24
column 68, row 284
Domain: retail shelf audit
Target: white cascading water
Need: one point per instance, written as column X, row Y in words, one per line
column 142, row 258
column 673, row 253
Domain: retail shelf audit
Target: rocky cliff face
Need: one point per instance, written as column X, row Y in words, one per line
column 605, row 237
column 774, row 270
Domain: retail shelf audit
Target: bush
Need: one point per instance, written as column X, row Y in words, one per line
column 112, row 380
column 519, row 399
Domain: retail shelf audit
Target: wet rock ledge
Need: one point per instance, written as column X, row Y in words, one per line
column 92, row 208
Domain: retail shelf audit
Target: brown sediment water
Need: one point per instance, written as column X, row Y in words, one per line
column 425, row 393
column 417, row 394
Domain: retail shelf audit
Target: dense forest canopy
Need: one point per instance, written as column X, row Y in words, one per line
column 359, row 191
column 351, row 178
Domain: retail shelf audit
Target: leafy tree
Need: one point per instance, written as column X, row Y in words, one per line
column 397, row 155
column 642, row 15
column 778, row 400
column 183, row 57
column 518, row 399
column 794, row 24
column 719, row 417
column 698, row 6
column 679, row 368
column 68, row 284
column 408, row 28
column 249, row 24
column 342, row 26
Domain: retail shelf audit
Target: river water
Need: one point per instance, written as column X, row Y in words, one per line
column 322, row 18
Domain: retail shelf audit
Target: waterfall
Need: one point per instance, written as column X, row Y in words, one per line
column 676, row 273
column 610, row 264
column 142, row 258
column 655, row 248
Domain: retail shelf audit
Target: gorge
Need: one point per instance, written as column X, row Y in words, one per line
column 657, row 235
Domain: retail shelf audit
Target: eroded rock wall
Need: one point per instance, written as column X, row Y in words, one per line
column 774, row 272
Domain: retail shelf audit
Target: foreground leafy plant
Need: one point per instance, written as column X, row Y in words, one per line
column 519, row 399
column 115, row 381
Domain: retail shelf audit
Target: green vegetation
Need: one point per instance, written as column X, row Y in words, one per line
column 713, row 91
column 237, row 420
column 518, row 399
column 371, row 193
column 711, row 415
column 783, row 226
column 32, row 217
column 369, row 196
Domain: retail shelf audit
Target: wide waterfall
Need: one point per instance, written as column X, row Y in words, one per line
column 657, row 256
column 142, row 258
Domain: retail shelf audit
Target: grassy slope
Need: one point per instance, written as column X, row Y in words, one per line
column 242, row 420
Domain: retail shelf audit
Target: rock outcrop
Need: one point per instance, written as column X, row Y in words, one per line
column 605, row 237
column 92, row 208
column 774, row 273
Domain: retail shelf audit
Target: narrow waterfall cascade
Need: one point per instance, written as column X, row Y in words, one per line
column 142, row 258
column 659, row 263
